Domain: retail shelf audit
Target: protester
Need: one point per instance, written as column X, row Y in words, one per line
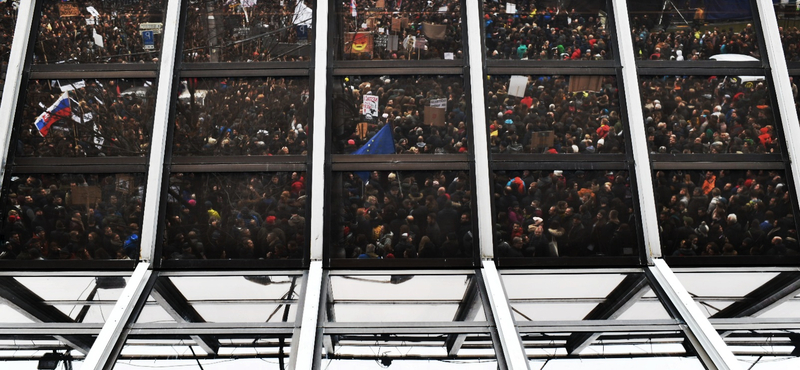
column 72, row 216
column 743, row 213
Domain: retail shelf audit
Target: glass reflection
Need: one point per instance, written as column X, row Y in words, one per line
column 248, row 31
column 109, row 31
column 418, row 114
column 564, row 214
column 554, row 114
column 693, row 30
column 242, row 116
column 728, row 213
column 87, row 118
column 72, row 216
column 716, row 114
column 236, row 216
column 787, row 15
column 402, row 215
column 547, row 30
column 8, row 20
column 400, row 30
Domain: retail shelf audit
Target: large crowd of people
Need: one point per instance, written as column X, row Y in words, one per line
column 8, row 20
column 105, row 118
column 401, row 30
column 263, row 31
column 236, row 216
column 727, row 213
column 385, row 214
column 564, row 214
column 546, row 30
column 550, row 118
column 92, row 31
column 790, row 39
column 402, row 103
column 72, row 217
column 717, row 114
column 265, row 116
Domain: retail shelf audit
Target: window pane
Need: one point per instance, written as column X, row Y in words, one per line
column 87, row 118
column 236, row 216
column 424, row 115
column 731, row 213
column 554, row 114
column 547, row 30
column 242, row 116
column 72, row 216
column 227, row 31
column 85, row 31
column 8, row 20
column 787, row 15
column 400, row 30
column 716, row 114
column 687, row 30
column 564, row 214
column 421, row 214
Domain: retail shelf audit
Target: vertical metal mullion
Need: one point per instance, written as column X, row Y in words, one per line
column 783, row 89
column 479, row 139
column 158, row 147
column 638, row 136
column 14, row 73
column 304, row 345
column 319, row 124
column 710, row 347
column 110, row 337
column 511, row 348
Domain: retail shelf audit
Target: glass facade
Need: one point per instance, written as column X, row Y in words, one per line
column 234, row 184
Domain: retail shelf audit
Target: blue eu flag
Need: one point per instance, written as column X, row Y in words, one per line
column 381, row 143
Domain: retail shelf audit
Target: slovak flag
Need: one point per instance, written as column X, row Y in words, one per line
column 353, row 10
column 59, row 110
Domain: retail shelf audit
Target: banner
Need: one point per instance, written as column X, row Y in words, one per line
column 434, row 31
column 542, row 140
column 68, row 10
column 435, row 116
column 585, row 83
column 517, row 86
column 369, row 107
column 439, row 103
column 360, row 42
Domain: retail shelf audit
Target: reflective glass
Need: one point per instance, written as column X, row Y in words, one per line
column 236, row 216
column 400, row 30
column 400, row 115
column 554, row 114
column 788, row 14
column 564, row 214
column 729, row 213
column 248, row 31
column 72, row 216
column 702, row 114
column 694, row 30
column 421, row 214
column 547, row 30
column 87, row 118
column 242, row 116
column 8, row 20
column 108, row 31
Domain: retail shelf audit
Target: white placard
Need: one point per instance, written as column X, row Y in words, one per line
column 92, row 11
column 511, row 8
column 439, row 103
column 370, row 106
column 517, row 86
column 449, row 56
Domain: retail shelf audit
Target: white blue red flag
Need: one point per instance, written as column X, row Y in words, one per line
column 353, row 10
column 58, row 111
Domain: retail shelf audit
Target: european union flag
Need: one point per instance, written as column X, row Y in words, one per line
column 381, row 143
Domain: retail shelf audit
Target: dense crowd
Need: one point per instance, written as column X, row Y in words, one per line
column 710, row 213
column 403, row 215
column 398, row 29
column 72, row 217
column 575, row 121
column 107, row 118
column 698, row 42
column 8, row 20
column 564, row 214
column 402, row 103
column 790, row 39
column 236, row 216
column 69, row 32
column 537, row 32
column 225, row 31
column 718, row 114
column 267, row 116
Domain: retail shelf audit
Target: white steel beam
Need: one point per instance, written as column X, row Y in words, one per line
column 511, row 346
column 782, row 86
column 16, row 64
column 159, row 143
column 638, row 136
column 99, row 357
column 304, row 344
column 710, row 347
column 319, row 127
column 480, row 144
